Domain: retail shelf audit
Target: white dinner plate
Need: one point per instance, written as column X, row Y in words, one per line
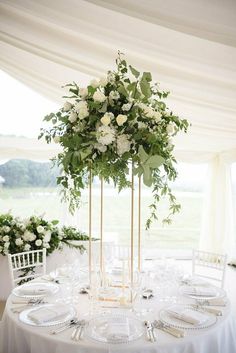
column 103, row 328
column 47, row 289
column 170, row 320
column 219, row 292
column 24, row 316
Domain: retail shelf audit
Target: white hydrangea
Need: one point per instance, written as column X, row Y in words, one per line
column 105, row 135
column 6, row 229
column 83, row 92
column 5, row 238
column 27, row 247
column 19, row 242
column 126, row 107
column 157, row 116
column 80, row 105
column 99, row 97
column 100, row 147
column 170, row 128
column 114, row 95
column 6, row 245
column 67, row 106
column 40, row 229
column 141, row 125
column 47, row 236
column 123, row 144
column 94, row 83
column 106, row 119
column 38, row 242
column 103, row 81
column 72, row 117
column 121, row 119
column 83, row 113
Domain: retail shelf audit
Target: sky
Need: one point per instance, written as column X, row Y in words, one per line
column 22, row 109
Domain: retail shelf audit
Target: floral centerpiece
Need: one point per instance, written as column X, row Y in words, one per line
column 34, row 233
column 117, row 121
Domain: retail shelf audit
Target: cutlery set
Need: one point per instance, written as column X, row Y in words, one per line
column 31, row 302
column 78, row 329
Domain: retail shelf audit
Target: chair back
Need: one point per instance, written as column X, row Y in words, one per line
column 215, row 264
column 34, row 260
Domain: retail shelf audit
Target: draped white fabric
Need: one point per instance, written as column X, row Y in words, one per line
column 189, row 47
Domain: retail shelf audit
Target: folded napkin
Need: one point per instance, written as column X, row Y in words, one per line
column 217, row 302
column 188, row 315
column 46, row 314
column 200, row 291
column 33, row 290
column 118, row 329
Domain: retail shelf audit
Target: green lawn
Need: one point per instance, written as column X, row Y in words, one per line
column 183, row 233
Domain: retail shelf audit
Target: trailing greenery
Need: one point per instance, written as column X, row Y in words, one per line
column 112, row 125
column 34, row 233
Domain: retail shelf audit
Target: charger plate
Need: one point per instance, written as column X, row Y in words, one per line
column 47, row 289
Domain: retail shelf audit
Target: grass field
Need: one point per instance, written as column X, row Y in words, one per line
column 183, row 233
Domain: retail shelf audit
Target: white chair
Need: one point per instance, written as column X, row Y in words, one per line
column 209, row 265
column 35, row 260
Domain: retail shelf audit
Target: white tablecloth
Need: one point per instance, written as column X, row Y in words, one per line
column 18, row 337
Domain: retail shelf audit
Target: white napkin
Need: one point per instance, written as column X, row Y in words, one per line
column 188, row 315
column 200, row 291
column 118, row 329
column 217, row 302
column 45, row 314
column 33, row 290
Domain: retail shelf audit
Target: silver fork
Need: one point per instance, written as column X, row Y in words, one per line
column 150, row 331
column 68, row 325
column 77, row 333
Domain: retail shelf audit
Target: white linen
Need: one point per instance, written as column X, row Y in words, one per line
column 188, row 315
column 45, row 314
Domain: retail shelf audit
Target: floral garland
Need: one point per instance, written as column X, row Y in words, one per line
column 35, row 233
column 118, row 120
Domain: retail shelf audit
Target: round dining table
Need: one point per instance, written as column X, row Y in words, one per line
column 19, row 337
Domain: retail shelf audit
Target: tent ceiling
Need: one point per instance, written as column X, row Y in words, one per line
column 188, row 45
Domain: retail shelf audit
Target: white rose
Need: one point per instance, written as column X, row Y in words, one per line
column 123, row 144
column 47, row 236
column 103, row 81
column 94, row 83
column 5, row 238
column 99, row 97
column 32, row 237
column 157, row 116
column 72, row 117
column 27, row 247
column 6, row 245
column 83, row 113
column 40, row 229
column 19, row 242
column 105, row 135
column 149, row 112
column 67, row 106
column 121, row 119
column 114, row 95
column 100, row 147
column 126, row 107
column 56, row 139
column 106, row 119
column 81, row 105
column 7, row 229
column 111, row 77
column 141, row 125
column 38, row 242
column 170, row 128
column 83, row 92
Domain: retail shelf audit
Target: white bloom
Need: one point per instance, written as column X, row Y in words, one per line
column 141, row 125
column 94, row 83
column 46, row 245
column 114, row 95
column 76, row 128
column 100, row 147
column 67, row 106
column 28, row 236
column 27, row 247
column 83, row 92
column 6, row 245
column 83, row 113
column 72, row 117
column 19, row 242
column 103, row 81
column 6, row 229
column 170, row 128
column 123, row 144
column 105, row 135
column 38, row 242
column 5, row 238
column 40, row 229
column 81, row 105
column 47, row 236
column 121, row 119
column 56, row 139
column 111, row 77
column 157, row 116
column 99, row 97
column 126, row 107
column 106, row 119
column 149, row 112
column 60, row 237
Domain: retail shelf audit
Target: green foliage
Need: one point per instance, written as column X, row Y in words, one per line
column 112, row 124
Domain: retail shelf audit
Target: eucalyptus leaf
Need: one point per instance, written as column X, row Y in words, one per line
column 134, row 71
